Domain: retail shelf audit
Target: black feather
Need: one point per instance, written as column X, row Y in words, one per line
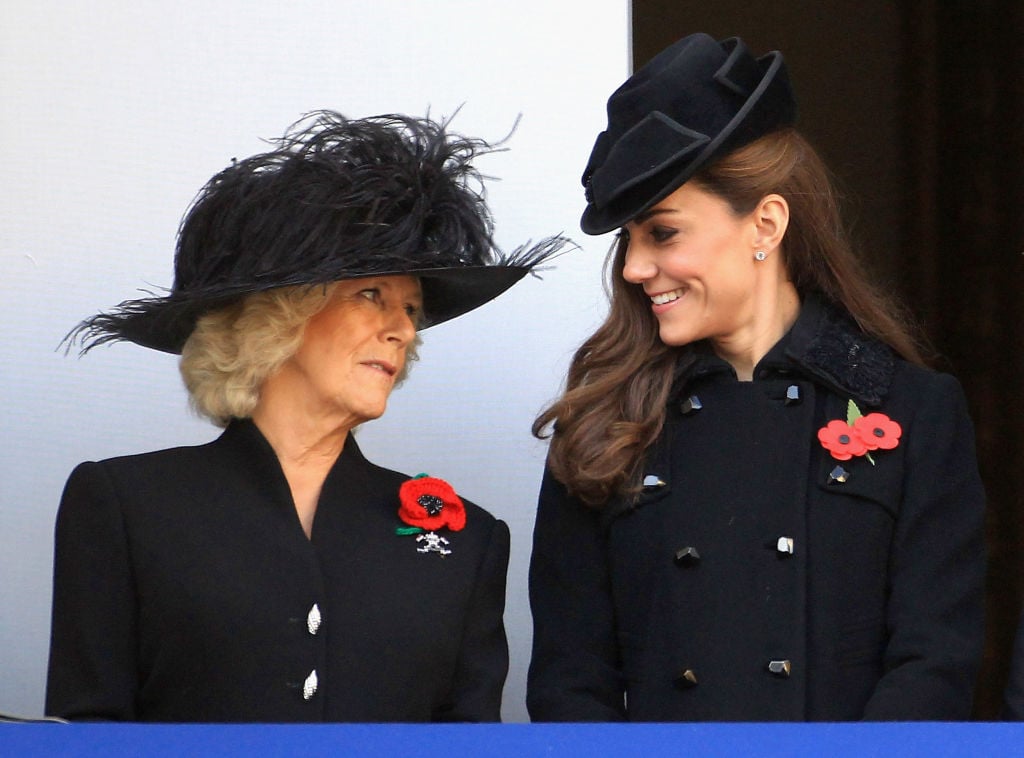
column 336, row 198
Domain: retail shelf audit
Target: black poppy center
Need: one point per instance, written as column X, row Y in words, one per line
column 878, row 432
column 432, row 504
column 844, row 439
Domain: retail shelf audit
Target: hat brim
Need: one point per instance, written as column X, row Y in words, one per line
column 758, row 116
column 165, row 323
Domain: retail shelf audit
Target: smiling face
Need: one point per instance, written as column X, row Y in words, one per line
column 694, row 258
column 354, row 349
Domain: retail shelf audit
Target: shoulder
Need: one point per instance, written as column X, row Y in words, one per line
column 165, row 481
column 827, row 344
column 101, row 497
column 921, row 392
column 156, row 465
column 910, row 377
column 153, row 458
column 148, row 461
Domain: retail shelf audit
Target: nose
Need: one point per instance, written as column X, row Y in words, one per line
column 400, row 327
column 638, row 267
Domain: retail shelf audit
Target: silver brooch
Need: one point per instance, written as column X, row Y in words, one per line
column 432, row 543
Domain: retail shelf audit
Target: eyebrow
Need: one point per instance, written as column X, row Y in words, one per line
column 650, row 213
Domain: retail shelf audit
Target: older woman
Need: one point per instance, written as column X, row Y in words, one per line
column 759, row 504
column 275, row 574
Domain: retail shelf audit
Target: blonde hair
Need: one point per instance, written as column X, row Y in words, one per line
column 234, row 349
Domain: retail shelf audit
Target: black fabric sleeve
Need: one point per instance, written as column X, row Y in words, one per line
column 936, row 568
column 92, row 670
column 483, row 652
column 574, row 671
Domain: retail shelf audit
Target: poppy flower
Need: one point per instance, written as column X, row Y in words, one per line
column 878, row 431
column 430, row 503
column 840, row 439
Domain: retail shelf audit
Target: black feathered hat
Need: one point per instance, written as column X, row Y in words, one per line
column 695, row 101
column 336, row 199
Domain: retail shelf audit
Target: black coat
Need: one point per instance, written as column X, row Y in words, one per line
column 1013, row 698
column 752, row 579
column 184, row 590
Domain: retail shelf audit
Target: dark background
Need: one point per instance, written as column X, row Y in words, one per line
column 918, row 108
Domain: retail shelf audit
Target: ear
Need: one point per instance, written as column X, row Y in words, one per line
column 771, row 219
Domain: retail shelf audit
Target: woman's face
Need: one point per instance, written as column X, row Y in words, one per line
column 354, row 349
column 694, row 258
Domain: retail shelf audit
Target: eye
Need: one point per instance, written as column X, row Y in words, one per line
column 370, row 293
column 662, row 233
column 414, row 312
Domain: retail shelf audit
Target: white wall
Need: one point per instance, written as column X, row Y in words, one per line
column 115, row 113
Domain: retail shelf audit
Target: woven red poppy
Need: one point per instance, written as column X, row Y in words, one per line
column 878, row 431
column 430, row 503
column 840, row 439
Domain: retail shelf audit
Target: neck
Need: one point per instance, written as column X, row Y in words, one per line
column 300, row 441
column 307, row 445
column 772, row 314
column 299, row 432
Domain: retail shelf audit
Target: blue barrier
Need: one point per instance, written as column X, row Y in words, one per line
column 520, row 740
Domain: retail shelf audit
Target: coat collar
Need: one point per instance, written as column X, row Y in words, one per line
column 824, row 344
column 243, row 433
column 252, row 453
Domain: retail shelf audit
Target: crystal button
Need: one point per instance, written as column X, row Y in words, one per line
column 309, row 686
column 313, row 619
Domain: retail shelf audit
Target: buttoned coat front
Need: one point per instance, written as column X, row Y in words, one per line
column 758, row 578
column 186, row 590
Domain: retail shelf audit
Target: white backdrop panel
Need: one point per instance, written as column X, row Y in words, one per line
column 116, row 113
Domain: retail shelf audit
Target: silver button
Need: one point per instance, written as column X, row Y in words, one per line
column 838, row 475
column 781, row 669
column 653, row 482
column 785, row 545
column 686, row 680
column 313, row 619
column 687, row 556
column 691, row 405
column 309, row 686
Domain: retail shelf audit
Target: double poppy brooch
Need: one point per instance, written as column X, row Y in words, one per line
column 426, row 505
column 859, row 434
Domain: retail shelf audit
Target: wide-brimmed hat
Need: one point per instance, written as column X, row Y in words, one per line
column 693, row 102
column 336, row 199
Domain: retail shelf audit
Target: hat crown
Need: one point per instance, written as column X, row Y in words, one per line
column 337, row 198
column 690, row 103
column 343, row 199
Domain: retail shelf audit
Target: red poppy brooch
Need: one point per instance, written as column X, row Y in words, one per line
column 427, row 504
column 859, row 434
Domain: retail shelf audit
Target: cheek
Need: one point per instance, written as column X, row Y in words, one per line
column 734, row 277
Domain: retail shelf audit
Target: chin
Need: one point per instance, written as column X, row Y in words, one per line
column 375, row 413
column 676, row 338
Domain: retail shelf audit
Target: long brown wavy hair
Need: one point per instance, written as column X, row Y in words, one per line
column 613, row 407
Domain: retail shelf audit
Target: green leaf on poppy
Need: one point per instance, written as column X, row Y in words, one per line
column 852, row 412
column 404, row 530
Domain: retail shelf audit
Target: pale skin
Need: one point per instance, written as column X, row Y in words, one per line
column 351, row 353
column 697, row 260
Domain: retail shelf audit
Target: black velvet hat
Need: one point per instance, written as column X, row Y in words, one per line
column 695, row 101
column 336, row 199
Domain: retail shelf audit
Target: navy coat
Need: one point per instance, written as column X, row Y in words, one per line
column 757, row 577
column 1013, row 696
column 186, row 590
